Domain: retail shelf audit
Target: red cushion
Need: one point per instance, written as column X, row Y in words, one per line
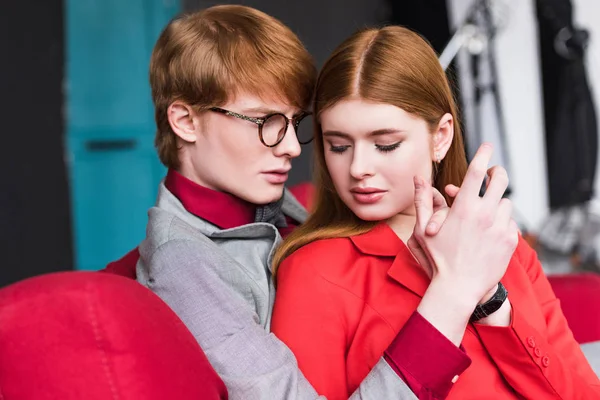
column 579, row 296
column 85, row 335
column 304, row 193
column 125, row 266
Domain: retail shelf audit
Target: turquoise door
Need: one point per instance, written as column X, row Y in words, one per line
column 113, row 168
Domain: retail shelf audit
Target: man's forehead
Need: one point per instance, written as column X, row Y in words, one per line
column 264, row 104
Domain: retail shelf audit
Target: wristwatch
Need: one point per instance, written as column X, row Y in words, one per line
column 490, row 306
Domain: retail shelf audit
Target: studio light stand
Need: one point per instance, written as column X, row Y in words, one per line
column 477, row 35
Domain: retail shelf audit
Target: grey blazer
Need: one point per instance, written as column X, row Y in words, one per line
column 219, row 283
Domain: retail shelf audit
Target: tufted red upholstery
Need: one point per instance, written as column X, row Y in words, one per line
column 85, row 335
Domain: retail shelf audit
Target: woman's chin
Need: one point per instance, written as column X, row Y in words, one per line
column 373, row 216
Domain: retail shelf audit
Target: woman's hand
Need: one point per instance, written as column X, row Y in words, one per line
column 474, row 244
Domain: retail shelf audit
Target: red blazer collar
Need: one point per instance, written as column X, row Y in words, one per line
column 382, row 241
column 379, row 241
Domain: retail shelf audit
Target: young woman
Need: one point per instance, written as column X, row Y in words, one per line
column 371, row 259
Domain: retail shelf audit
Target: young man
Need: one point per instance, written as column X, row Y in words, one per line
column 230, row 86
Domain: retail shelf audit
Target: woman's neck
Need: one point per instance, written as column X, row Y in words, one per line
column 403, row 225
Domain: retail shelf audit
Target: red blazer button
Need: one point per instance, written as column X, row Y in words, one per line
column 546, row 361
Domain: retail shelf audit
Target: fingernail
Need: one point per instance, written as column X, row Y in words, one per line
column 431, row 226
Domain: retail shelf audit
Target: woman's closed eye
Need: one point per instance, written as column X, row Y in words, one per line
column 386, row 148
column 338, row 149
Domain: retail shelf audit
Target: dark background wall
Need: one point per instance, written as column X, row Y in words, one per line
column 34, row 203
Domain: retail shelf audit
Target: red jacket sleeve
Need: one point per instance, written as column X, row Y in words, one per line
column 425, row 359
column 540, row 363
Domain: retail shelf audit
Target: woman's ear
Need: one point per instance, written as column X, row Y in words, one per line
column 442, row 137
column 181, row 119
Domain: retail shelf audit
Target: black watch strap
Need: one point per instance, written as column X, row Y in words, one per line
column 490, row 306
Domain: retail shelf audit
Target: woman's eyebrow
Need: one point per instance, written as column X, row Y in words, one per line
column 378, row 132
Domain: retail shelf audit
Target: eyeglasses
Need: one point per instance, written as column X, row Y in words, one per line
column 273, row 127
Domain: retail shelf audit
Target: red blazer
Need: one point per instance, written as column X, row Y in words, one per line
column 341, row 302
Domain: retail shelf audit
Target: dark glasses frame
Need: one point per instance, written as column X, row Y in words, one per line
column 261, row 121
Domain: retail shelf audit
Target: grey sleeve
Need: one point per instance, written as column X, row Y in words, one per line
column 252, row 362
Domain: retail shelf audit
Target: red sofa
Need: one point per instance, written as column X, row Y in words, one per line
column 579, row 296
column 92, row 336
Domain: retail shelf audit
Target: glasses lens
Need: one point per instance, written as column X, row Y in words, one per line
column 304, row 130
column 273, row 129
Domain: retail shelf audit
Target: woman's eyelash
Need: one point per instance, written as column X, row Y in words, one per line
column 338, row 149
column 387, row 148
column 382, row 148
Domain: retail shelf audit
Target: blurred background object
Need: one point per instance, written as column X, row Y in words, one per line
column 80, row 165
column 113, row 167
column 573, row 226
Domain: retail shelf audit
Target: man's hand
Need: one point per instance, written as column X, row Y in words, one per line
column 472, row 242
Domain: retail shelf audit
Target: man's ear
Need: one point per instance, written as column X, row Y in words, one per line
column 442, row 137
column 181, row 119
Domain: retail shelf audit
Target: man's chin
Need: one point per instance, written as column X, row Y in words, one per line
column 268, row 196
